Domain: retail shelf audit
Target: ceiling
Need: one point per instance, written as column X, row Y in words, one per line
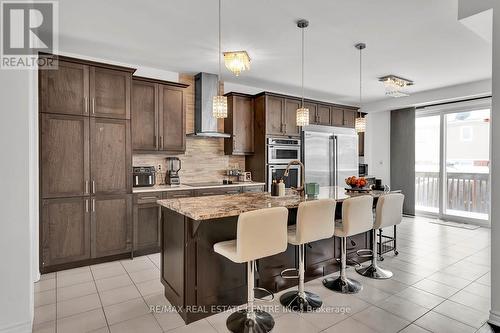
column 417, row 39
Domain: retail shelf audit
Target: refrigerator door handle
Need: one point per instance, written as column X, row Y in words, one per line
column 332, row 160
column 335, row 154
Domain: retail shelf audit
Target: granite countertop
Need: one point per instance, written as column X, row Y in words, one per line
column 219, row 206
column 164, row 188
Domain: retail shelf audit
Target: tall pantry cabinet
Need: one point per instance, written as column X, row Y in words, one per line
column 85, row 163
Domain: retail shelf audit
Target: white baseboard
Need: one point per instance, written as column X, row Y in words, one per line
column 24, row 327
column 494, row 318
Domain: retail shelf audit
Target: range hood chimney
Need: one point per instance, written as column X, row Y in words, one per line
column 205, row 88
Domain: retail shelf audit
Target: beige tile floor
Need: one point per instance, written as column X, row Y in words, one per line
column 441, row 284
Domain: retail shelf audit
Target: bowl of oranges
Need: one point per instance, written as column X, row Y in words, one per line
column 357, row 184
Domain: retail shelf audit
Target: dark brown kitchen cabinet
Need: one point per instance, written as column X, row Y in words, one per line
column 337, row 116
column 65, row 90
column 64, row 155
column 144, row 115
column 111, row 156
column 83, row 87
column 85, row 162
column 172, row 118
column 158, row 116
column 323, row 115
column 110, row 93
column 274, row 115
column 290, row 117
column 146, row 223
column 111, row 225
column 349, row 117
column 240, row 124
column 313, row 112
column 65, row 226
column 280, row 116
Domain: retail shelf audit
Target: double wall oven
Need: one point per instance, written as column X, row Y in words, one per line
column 280, row 151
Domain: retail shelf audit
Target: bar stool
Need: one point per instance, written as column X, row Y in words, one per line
column 315, row 221
column 389, row 212
column 357, row 217
column 260, row 233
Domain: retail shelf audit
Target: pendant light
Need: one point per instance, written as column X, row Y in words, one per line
column 302, row 114
column 360, row 123
column 219, row 104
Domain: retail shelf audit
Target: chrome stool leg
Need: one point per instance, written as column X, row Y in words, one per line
column 301, row 300
column 343, row 284
column 250, row 319
column 373, row 270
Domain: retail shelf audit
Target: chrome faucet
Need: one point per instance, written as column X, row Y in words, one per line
column 300, row 189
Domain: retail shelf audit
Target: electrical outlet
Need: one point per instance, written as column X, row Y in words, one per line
column 159, row 167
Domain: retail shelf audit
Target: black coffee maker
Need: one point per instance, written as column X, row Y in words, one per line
column 173, row 167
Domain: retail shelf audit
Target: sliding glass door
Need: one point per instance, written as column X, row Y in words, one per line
column 452, row 164
column 427, row 163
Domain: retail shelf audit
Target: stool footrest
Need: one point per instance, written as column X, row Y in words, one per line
column 284, row 272
column 364, row 253
column 268, row 292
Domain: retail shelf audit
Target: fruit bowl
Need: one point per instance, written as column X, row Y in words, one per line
column 357, row 184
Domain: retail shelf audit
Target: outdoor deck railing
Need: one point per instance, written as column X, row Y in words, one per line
column 467, row 192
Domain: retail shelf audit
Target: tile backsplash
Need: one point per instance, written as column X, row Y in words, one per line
column 204, row 159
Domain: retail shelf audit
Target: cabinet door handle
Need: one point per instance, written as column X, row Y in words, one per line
column 93, row 205
column 150, row 198
column 86, row 187
column 86, row 205
column 93, row 186
column 86, row 105
column 161, row 142
column 93, row 105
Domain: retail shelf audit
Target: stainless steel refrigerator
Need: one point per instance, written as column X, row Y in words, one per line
column 330, row 154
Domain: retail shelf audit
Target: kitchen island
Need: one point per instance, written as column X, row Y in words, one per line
column 199, row 282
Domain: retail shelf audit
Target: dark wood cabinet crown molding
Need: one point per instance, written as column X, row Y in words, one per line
column 87, row 62
column 151, row 80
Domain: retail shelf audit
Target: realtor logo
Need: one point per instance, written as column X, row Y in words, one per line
column 27, row 28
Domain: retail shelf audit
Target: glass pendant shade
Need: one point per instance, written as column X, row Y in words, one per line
column 302, row 117
column 360, row 124
column 237, row 62
column 219, row 107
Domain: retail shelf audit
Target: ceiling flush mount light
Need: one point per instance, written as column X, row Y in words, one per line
column 219, row 103
column 394, row 85
column 360, row 123
column 302, row 113
column 237, row 61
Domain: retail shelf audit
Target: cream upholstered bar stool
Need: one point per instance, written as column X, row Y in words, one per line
column 315, row 221
column 260, row 233
column 389, row 212
column 357, row 217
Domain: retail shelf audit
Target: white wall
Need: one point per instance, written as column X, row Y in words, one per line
column 377, row 145
column 16, row 278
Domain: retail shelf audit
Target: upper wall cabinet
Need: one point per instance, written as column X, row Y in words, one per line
column 110, row 93
column 79, row 87
column 240, row 124
column 158, row 115
column 279, row 115
column 65, row 90
column 144, row 115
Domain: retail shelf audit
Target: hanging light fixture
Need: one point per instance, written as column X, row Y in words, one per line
column 219, row 104
column 302, row 113
column 360, row 123
column 237, row 61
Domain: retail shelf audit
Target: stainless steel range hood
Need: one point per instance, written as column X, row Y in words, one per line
column 205, row 125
